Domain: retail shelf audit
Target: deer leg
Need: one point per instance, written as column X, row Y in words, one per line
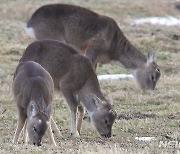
column 95, row 67
column 55, row 129
column 19, row 128
column 72, row 102
column 96, row 51
column 25, row 132
column 25, row 135
column 20, row 125
column 26, row 138
column 92, row 58
column 81, row 112
column 50, row 134
column 74, row 130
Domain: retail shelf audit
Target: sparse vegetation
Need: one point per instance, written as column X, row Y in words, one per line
column 163, row 103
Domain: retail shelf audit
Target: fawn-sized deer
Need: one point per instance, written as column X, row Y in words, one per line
column 73, row 74
column 33, row 90
column 96, row 36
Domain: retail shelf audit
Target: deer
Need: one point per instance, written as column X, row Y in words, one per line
column 74, row 76
column 95, row 36
column 33, row 90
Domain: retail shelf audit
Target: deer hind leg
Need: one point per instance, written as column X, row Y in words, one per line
column 81, row 112
column 50, row 134
column 73, row 105
column 55, row 129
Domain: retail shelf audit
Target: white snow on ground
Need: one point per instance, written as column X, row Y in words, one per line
column 114, row 77
column 145, row 138
column 166, row 21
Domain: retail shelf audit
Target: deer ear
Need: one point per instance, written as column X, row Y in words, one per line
column 151, row 56
column 96, row 100
column 34, row 108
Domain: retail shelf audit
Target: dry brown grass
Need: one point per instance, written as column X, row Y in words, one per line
column 159, row 7
column 163, row 102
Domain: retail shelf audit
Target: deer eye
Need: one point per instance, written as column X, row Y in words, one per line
column 157, row 70
column 34, row 128
column 152, row 77
column 105, row 121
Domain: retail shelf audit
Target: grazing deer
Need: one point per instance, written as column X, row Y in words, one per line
column 97, row 37
column 33, row 90
column 74, row 75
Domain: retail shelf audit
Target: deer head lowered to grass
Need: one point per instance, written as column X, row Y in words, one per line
column 96, row 36
column 33, row 90
column 73, row 74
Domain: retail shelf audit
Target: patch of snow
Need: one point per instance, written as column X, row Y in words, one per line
column 115, row 76
column 167, row 21
column 147, row 139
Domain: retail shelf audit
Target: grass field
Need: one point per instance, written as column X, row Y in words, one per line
column 154, row 113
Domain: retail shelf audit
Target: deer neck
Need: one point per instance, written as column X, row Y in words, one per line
column 85, row 95
column 86, row 102
column 127, row 56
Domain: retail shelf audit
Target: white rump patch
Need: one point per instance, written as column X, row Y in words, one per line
column 114, row 77
column 30, row 32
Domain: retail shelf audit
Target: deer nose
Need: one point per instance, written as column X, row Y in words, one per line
column 106, row 135
column 38, row 144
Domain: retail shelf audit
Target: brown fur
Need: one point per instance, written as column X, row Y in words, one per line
column 96, row 36
column 74, row 75
column 33, row 92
